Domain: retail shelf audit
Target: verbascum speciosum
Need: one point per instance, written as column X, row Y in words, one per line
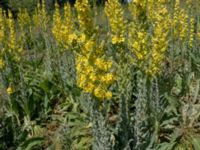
column 115, row 14
column 160, row 20
column 12, row 46
column 149, row 47
column 68, row 26
column 63, row 28
column 24, row 21
column 93, row 70
column 40, row 17
column 84, row 17
column 180, row 23
column 2, row 27
column 137, row 33
column 57, row 24
column 2, row 36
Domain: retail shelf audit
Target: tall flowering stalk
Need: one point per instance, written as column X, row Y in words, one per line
column 161, row 25
column 24, row 22
column 183, row 23
column 2, row 36
column 93, row 71
column 84, row 17
column 63, row 29
column 12, row 45
column 40, row 17
column 115, row 14
column 149, row 51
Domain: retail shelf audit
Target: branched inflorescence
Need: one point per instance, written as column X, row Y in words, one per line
column 93, row 70
column 2, row 36
column 63, row 29
column 115, row 14
column 148, row 37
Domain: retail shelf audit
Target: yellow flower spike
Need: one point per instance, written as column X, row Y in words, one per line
column 57, row 24
column 2, row 27
column 116, row 21
column 63, row 29
column 92, row 70
column 40, row 17
column 84, row 16
column 2, row 64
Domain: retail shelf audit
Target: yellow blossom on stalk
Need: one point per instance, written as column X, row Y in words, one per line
column 84, row 16
column 9, row 90
column 115, row 14
column 2, row 64
column 68, row 24
column 63, row 29
column 138, row 43
column 40, row 17
column 2, row 28
column 103, row 64
column 12, row 45
column 93, row 72
column 138, row 10
column 161, row 24
column 12, row 35
column 2, row 36
column 23, row 19
column 57, row 24
column 137, row 37
column 149, row 50
column 180, row 22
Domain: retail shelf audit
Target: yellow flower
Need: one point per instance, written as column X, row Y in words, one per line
column 82, row 38
column 99, row 93
column 108, row 95
column 115, row 14
column 108, row 78
column 102, row 64
column 84, row 16
column 2, row 64
column 9, row 90
column 72, row 38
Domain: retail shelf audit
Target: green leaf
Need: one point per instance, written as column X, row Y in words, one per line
column 196, row 143
column 30, row 143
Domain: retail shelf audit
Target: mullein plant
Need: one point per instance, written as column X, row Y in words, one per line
column 12, row 46
column 160, row 18
column 2, row 36
column 40, row 17
column 148, row 36
column 182, row 24
column 24, row 23
column 116, row 21
column 93, row 70
column 63, row 27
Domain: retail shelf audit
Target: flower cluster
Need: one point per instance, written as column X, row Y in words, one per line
column 2, row 36
column 183, row 24
column 63, row 28
column 149, row 50
column 84, row 17
column 93, row 71
column 115, row 14
column 13, row 47
column 40, row 17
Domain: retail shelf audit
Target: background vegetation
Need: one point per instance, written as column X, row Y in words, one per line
column 83, row 78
